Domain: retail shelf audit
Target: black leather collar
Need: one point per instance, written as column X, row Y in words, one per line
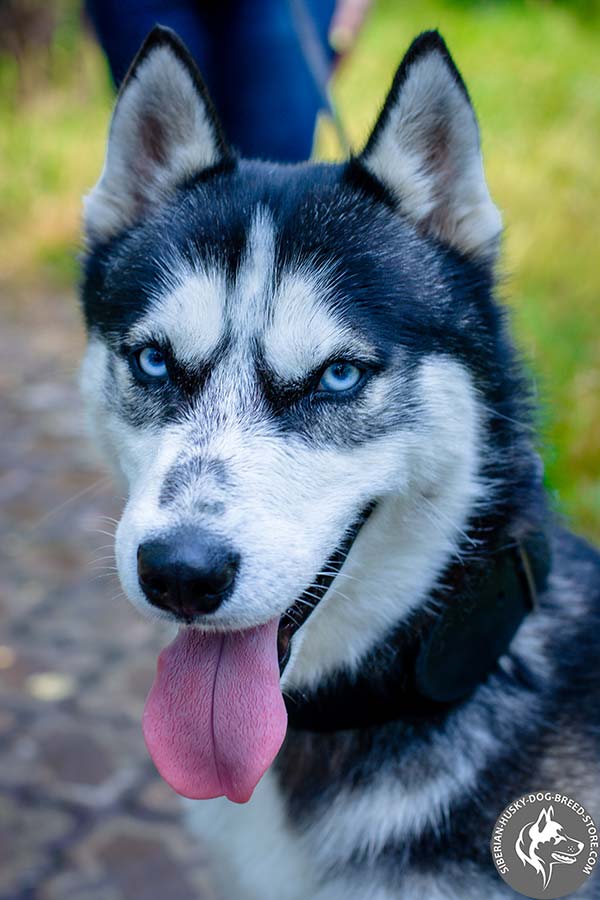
column 438, row 659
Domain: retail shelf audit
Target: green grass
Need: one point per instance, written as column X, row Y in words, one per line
column 533, row 70
column 534, row 74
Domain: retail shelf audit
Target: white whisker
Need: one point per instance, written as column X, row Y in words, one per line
column 82, row 493
column 447, row 519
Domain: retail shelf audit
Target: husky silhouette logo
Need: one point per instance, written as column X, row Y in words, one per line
column 545, row 846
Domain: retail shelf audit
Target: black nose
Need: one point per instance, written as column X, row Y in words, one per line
column 188, row 572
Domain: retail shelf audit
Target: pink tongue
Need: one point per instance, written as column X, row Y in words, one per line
column 214, row 718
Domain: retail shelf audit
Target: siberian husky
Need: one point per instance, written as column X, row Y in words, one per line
column 543, row 845
column 303, row 376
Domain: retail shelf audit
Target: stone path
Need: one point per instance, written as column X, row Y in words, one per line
column 83, row 815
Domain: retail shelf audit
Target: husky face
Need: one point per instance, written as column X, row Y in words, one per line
column 274, row 351
column 544, row 844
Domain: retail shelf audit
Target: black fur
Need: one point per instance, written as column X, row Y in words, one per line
column 411, row 296
column 407, row 293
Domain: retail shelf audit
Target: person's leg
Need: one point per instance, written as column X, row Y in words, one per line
column 263, row 88
column 252, row 61
column 122, row 25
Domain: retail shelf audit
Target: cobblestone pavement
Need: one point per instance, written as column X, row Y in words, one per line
column 82, row 812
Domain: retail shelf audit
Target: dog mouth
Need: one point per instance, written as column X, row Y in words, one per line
column 297, row 614
column 564, row 857
column 215, row 717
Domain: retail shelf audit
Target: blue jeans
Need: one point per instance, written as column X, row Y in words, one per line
column 250, row 56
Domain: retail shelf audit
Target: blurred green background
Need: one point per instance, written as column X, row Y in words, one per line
column 533, row 69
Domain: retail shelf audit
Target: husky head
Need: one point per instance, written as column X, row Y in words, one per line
column 294, row 367
column 544, row 844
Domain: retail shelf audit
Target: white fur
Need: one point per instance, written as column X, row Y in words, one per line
column 401, row 551
column 188, row 314
column 254, row 853
column 304, row 330
column 449, row 196
column 252, row 293
column 278, row 483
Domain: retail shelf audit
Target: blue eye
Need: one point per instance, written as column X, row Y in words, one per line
column 340, row 376
column 152, row 362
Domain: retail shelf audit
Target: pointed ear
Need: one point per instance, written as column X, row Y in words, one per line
column 163, row 130
column 542, row 820
column 425, row 150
